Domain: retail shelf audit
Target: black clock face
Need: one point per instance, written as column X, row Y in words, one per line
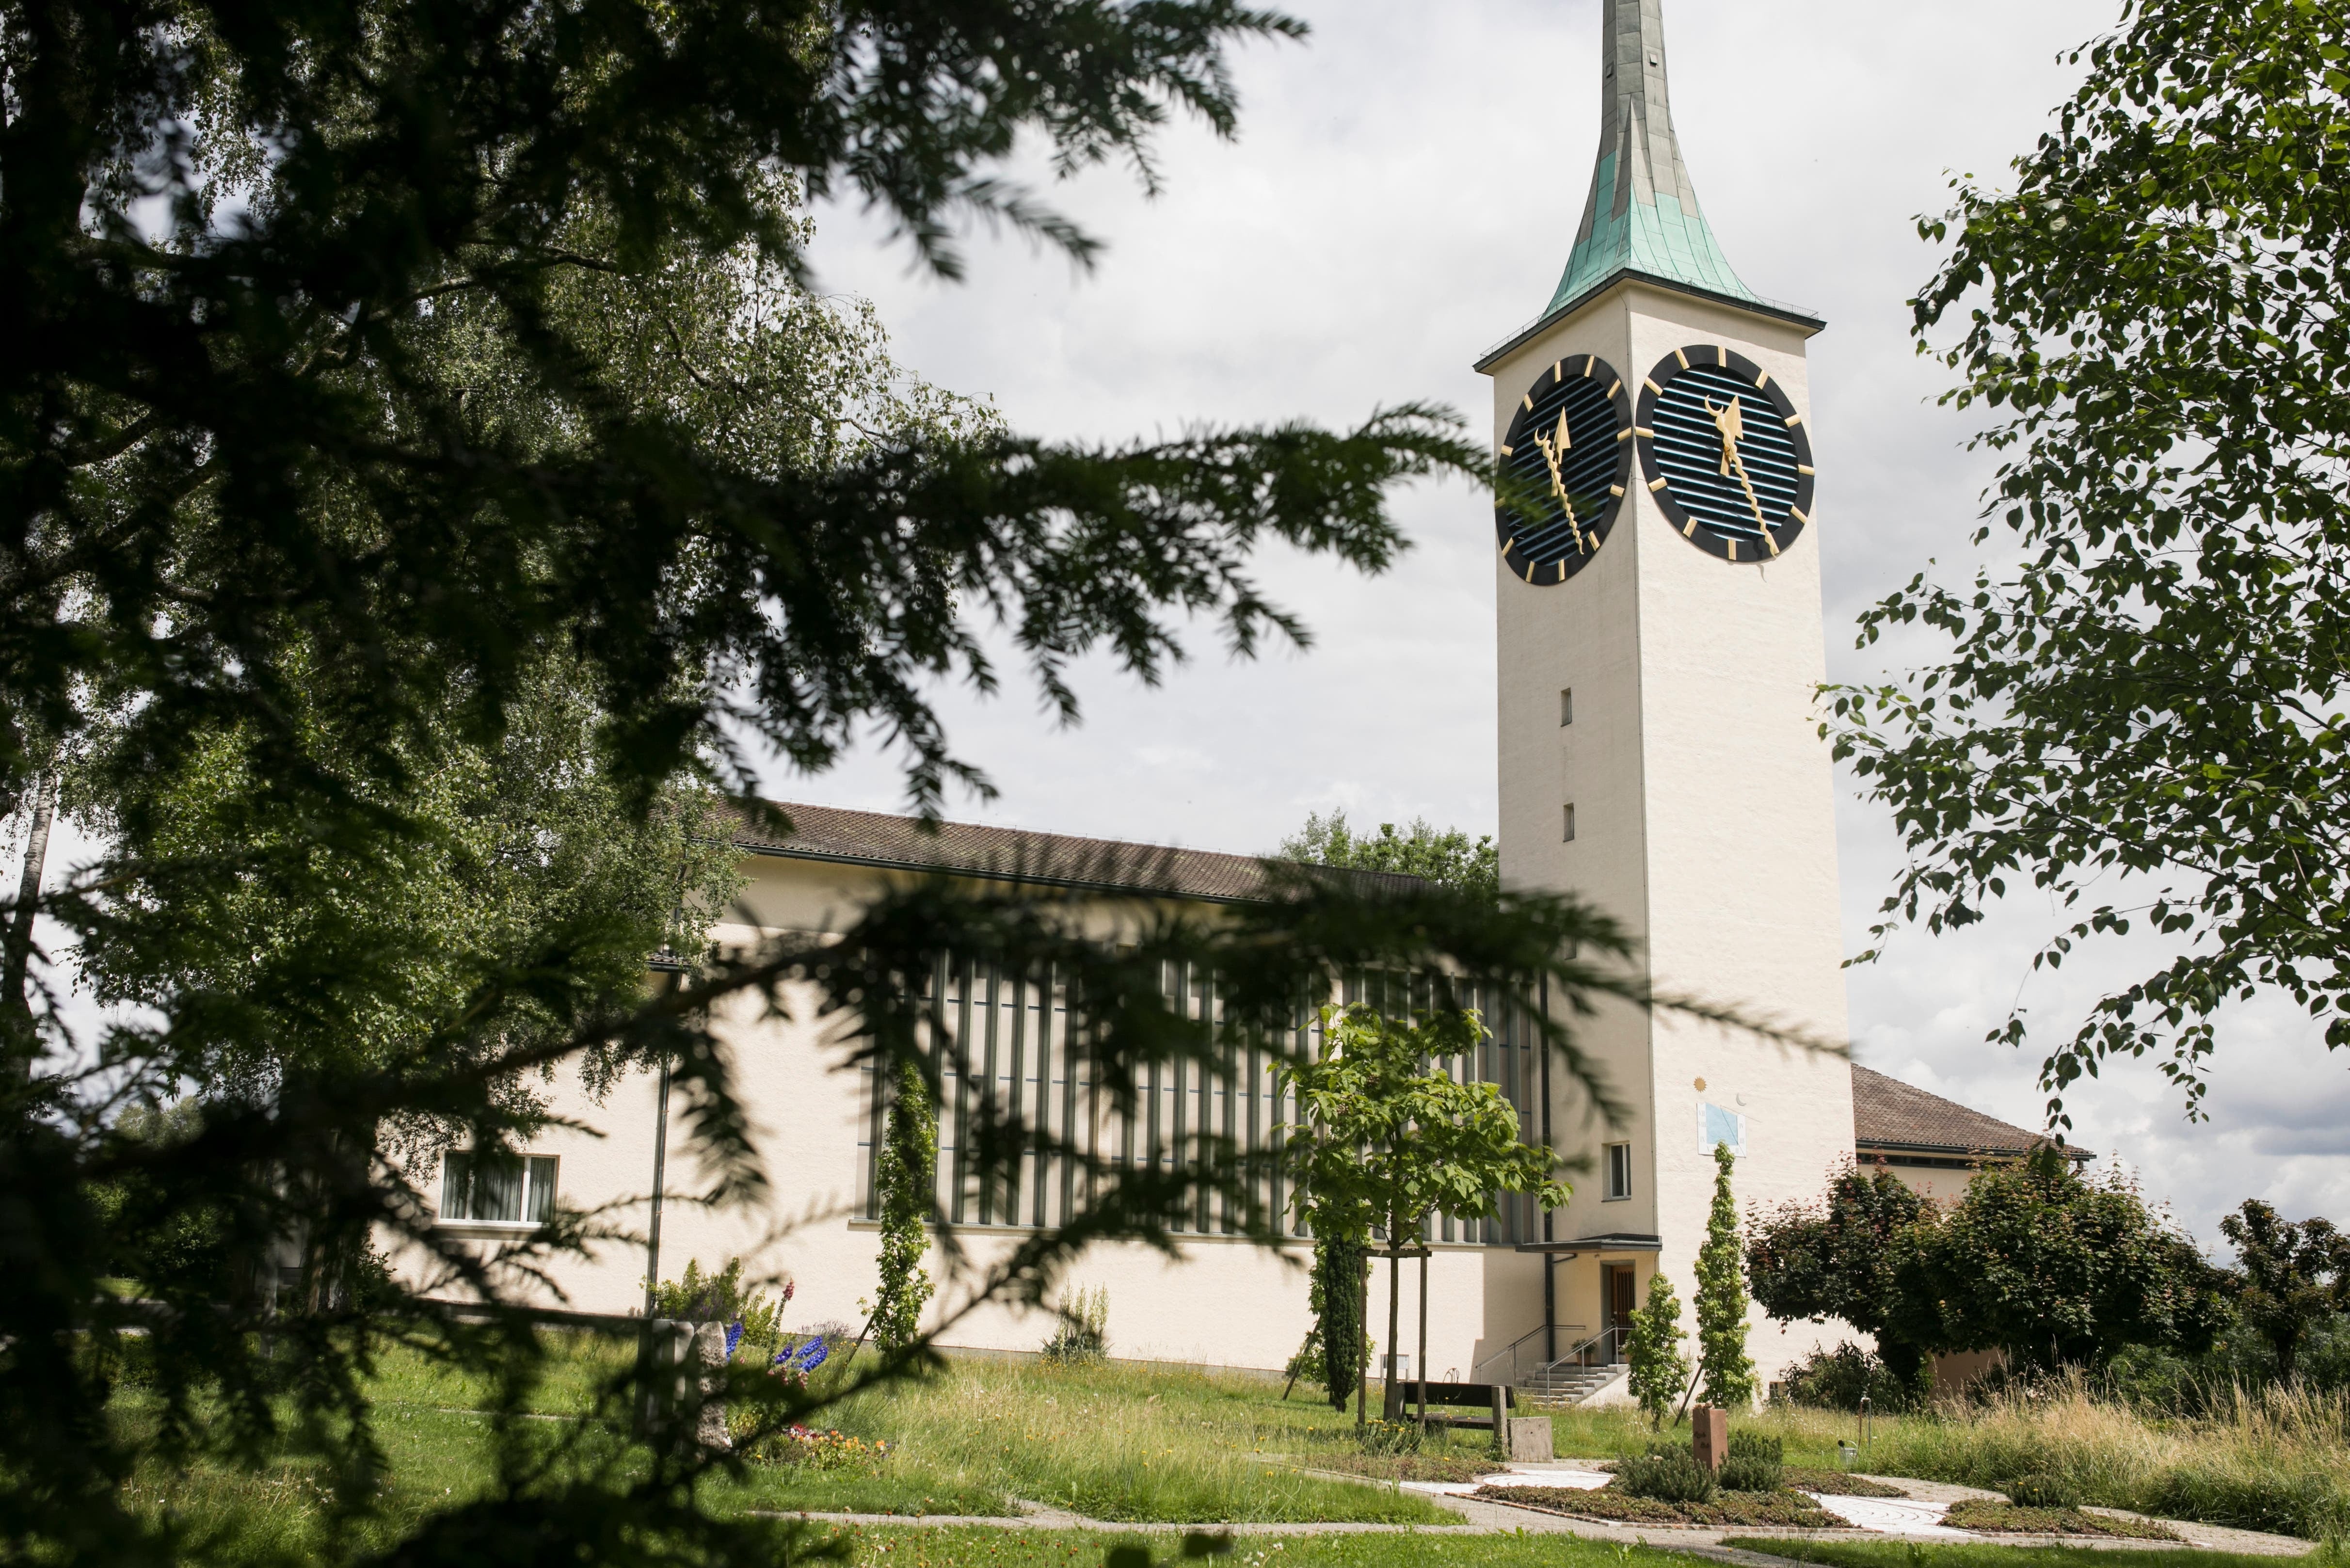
column 1725, row 453
column 1570, row 447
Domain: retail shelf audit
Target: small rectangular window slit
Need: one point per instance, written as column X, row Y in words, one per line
column 1565, row 706
column 1569, row 836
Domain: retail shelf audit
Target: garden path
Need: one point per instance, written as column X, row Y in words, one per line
column 1918, row 1520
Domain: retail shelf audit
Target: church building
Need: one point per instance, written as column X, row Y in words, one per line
column 1659, row 638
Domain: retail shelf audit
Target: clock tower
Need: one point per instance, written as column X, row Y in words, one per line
column 1660, row 640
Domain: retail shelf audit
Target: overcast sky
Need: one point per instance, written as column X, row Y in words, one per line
column 1371, row 233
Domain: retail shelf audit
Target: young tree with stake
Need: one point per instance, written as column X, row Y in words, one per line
column 1383, row 1131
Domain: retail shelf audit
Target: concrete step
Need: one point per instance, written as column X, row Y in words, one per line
column 1563, row 1386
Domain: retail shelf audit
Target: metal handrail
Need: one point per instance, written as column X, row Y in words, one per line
column 1512, row 1349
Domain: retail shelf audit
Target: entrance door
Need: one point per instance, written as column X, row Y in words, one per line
column 1616, row 1284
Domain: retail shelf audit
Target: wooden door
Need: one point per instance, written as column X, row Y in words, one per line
column 1621, row 1303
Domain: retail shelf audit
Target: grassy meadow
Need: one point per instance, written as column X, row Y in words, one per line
column 1110, row 1441
column 1129, row 1444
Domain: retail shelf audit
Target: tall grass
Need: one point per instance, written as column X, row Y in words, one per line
column 2274, row 1459
column 1126, row 1443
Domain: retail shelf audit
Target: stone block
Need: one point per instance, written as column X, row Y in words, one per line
column 1530, row 1440
column 710, row 1355
column 1710, row 1437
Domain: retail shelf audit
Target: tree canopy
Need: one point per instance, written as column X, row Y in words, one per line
column 1843, row 1257
column 1447, row 857
column 2137, row 706
column 2290, row 1277
column 2034, row 1259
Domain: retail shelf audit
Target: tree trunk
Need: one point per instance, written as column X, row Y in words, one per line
column 1419, row 1363
column 17, row 1030
column 1391, row 1401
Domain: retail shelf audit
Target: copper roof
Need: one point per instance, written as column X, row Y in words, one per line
column 1888, row 1115
column 1012, row 854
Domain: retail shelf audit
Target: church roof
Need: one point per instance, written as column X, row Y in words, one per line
column 1013, row 854
column 1889, row 1115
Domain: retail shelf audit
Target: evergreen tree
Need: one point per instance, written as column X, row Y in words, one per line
column 1338, row 1326
column 362, row 363
column 1721, row 1298
column 906, row 1186
column 1659, row 1369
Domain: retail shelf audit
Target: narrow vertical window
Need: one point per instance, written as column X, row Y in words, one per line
column 1619, row 1171
column 1569, row 835
column 1565, row 706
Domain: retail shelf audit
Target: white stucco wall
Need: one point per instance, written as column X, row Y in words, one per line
column 1703, row 806
column 1222, row 1302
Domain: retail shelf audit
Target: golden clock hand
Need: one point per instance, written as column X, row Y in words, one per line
column 1731, row 422
column 1558, row 481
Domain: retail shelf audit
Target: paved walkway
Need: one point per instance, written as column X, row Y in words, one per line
column 1482, row 1517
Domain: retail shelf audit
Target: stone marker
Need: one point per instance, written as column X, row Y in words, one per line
column 1710, row 1437
column 710, row 1353
column 667, row 1391
column 1530, row 1440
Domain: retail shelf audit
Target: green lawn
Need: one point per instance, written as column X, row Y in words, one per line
column 1110, row 1442
column 1915, row 1554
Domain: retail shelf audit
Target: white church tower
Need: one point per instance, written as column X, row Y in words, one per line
column 1659, row 642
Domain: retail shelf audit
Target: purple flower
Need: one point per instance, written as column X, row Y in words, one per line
column 733, row 1337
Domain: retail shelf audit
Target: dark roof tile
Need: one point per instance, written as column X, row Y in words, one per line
column 1054, row 859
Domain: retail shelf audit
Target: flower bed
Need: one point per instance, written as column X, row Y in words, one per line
column 2008, row 1519
column 822, row 1448
column 1781, row 1510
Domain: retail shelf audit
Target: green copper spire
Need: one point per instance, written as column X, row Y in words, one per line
column 1642, row 215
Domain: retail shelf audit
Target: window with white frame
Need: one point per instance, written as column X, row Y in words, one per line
column 496, row 1190
column 1619, row 1171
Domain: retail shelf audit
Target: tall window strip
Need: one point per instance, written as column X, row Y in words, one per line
column 1018, row 1056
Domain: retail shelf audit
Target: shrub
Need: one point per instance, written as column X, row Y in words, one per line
column 722, row 1297
column 1836, row 1380
column 1666, row 1475
column 1741, row 1474
column 1391, row 1437
column 1753, row 1464
column 1083, row 1332
column 2043, row 1489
